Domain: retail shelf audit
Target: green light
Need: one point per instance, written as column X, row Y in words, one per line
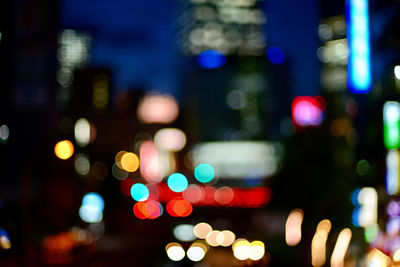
column 391, row 124
column 362, row 167
column 371, row 232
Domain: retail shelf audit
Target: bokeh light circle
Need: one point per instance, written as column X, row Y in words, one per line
column 175, row 251
column 139, row 192
column 130, row 162
column 177, row 182
column 204, row 173
column 201, row 230
column 195, row 253
column 64, row 149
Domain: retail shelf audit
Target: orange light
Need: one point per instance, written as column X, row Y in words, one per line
column 64, row 149
column 130, row 162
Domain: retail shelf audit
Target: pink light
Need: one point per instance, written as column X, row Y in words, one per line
column 308, row 110
column 150, row 168
column 158, row 109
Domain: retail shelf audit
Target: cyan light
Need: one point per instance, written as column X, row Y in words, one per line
column 211, row 59
column 276, row 55
column 139, row 192
column 177, row 182
column 204, row 173
column 359, row 79
column 93, row 200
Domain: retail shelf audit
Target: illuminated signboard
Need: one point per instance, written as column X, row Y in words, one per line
column 238, row 159
column 359, row 78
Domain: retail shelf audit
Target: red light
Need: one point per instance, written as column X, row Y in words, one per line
column 179, row 207
column 194, row 194
column 308, row 110
column 149, row 209
column 139, row 210
column 224, row 195
column 125, row 186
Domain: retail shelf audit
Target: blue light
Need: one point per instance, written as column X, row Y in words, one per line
column 359, row 78
column 204, row 173
column 93, row 200
column 177, row 182
column 276, row 55
column 355, row 217
column 211, row 59
column 139, row 192
column 354, row 197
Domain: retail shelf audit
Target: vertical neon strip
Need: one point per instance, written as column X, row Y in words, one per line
column 359, row 78
column 392, row 172
column 391, row 124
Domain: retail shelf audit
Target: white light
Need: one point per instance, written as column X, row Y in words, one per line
column 257, row 250
column 82, row 132
column 238, row 159
column 195, row 253
column 391, row 112
column 184, row 232
column 170, row 139
column 4, row 132
column 90, row 214
column 397, row 72
column 175, row 252
column 339, row 252
column 82, row 164
column 392, row 172
column 242, row 252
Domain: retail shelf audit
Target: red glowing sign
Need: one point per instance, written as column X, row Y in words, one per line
column 308, row 110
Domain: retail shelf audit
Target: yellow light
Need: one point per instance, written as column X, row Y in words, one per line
column 339, row 252
column 130, row 162
column 118, row 158
column 175, row 251
column 257, row 250
column 293, row 227
column 212, row 238
column 396, row 255
column 318, row 243
column 201, row 230
column 64, row 149
column 377, row 258
column 5, row 242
